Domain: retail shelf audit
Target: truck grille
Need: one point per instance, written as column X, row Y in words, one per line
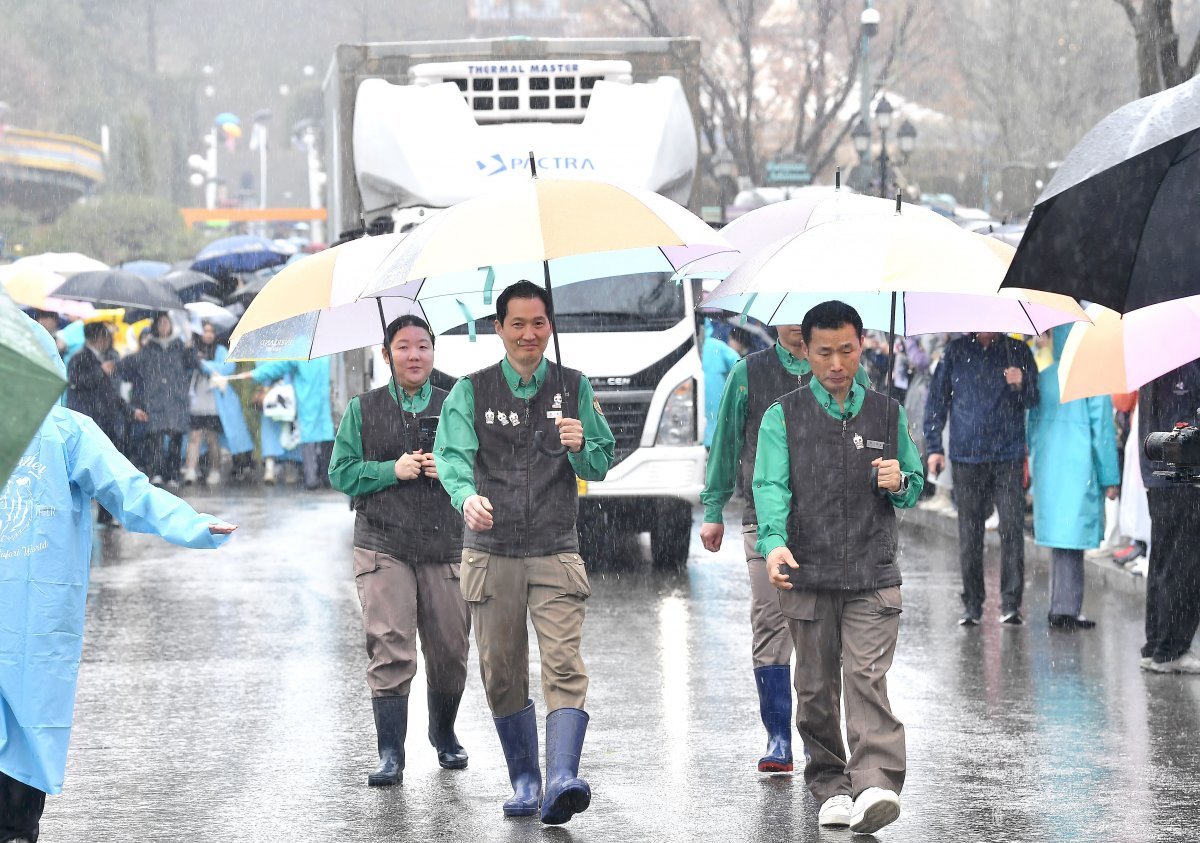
column 626, row 412
column 503, row 91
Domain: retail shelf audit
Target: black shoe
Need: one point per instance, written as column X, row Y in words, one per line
column 1070, row 622
column 391, row 727
column 969, row 620
column 443, row 708
column 1012, row 618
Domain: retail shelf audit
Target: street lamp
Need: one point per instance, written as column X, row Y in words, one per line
column 868, row 29
column 906, row 136
column 724, row 168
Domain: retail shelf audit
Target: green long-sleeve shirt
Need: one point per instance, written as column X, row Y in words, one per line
column 456, row 443
column 772, row 467
column 349, row 473
column 720, row 476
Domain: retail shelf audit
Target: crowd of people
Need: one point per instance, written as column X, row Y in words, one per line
column 165, row 400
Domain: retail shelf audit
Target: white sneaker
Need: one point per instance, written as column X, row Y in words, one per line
column 836, row 811
column 1187, row 663
column 1098, row 553
column 873, row 809
column 214, row 478
column 189, row 476
column 156, row 480
column 1146, row 663
column 993, row 521
column 269, row 471
column 1139, row 567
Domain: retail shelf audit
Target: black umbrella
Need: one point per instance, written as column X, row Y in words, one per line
column 116, row 288
column 245, row 294
column 1119, row 224
column 191, row 286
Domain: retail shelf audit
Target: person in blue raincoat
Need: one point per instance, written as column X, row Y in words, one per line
column 1073, row 463
column 223, row 403
column 271, row 435
column 717, row 358
column 314, row 414
column 45, row 551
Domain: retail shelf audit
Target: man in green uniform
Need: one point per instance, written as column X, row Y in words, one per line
column 521, row 547
column 407, row 543
column 754, row 384
column 830, row 540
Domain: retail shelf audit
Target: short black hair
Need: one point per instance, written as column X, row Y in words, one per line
column 92, row 331
column 742, row 337
column 408, row 320
column 829, row 316
column 522, row 290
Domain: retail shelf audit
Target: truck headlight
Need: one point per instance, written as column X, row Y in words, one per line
column 678, row 423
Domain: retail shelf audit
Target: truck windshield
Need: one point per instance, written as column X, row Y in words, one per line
column 644, row 302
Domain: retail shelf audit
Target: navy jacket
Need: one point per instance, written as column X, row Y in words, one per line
column 1173, row 397
column 987, row 418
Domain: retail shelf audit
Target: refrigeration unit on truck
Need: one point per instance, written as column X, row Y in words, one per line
column 412, row 128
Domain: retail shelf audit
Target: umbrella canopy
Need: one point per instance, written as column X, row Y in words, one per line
column 1119, row 223
column 1113, row 354
column 146, row 269
column 122, row 289
column 569, row 229
column 63, row 263
column 190, row 285
column 203, row 311
column 31, row 381
column 244, row 253
column 944, row 278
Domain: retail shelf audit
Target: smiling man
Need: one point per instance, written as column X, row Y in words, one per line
column 521, row 546
column 830, row 542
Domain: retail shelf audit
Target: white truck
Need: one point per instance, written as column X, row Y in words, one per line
column 415, row 127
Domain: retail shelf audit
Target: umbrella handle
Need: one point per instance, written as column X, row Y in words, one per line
column 539, row 439
column 874, row 480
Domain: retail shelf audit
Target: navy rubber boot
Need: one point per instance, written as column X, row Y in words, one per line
column 519, row 740
column 391, row 727
column 774, row 683
column 566, row 793
column 443, row 709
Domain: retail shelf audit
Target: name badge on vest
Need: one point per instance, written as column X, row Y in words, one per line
column 874, row 443
column 858, row 442
column 554, row 414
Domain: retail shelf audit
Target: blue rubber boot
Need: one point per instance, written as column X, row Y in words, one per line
column 774, row 683
column 519, row 740
column 566, row 793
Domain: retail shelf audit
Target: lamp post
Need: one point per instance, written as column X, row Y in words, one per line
column 906, row 137
column 869, row 28
column 724, row 168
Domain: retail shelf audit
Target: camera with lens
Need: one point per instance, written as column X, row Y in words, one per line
column 1179, row 449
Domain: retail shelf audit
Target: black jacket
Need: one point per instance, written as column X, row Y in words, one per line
column 92, row 392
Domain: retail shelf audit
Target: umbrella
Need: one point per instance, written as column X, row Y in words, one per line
column 122, row 289
column 570, row 229
column 1114, row 353
column 244, row 253
column 190, row 285
column 913, row 271
column 31, row 286
column 311, row 307
column 146, row 269
column 202, row 311
column 64, row 263
column 1119, row 223
column 31, row 385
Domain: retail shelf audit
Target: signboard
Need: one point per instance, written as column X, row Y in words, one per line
column 788, row 172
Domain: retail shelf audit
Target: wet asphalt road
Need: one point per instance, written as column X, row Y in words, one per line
column 222, row 698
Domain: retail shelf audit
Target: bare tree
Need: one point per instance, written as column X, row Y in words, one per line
column 1158, row 53
column 776, row 77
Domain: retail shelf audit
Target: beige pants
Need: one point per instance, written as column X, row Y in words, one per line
column 399, row 600
column 551, row 590
column 768, row 626
column 846, row 637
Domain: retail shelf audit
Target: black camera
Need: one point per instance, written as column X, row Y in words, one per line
column 1179, row 449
